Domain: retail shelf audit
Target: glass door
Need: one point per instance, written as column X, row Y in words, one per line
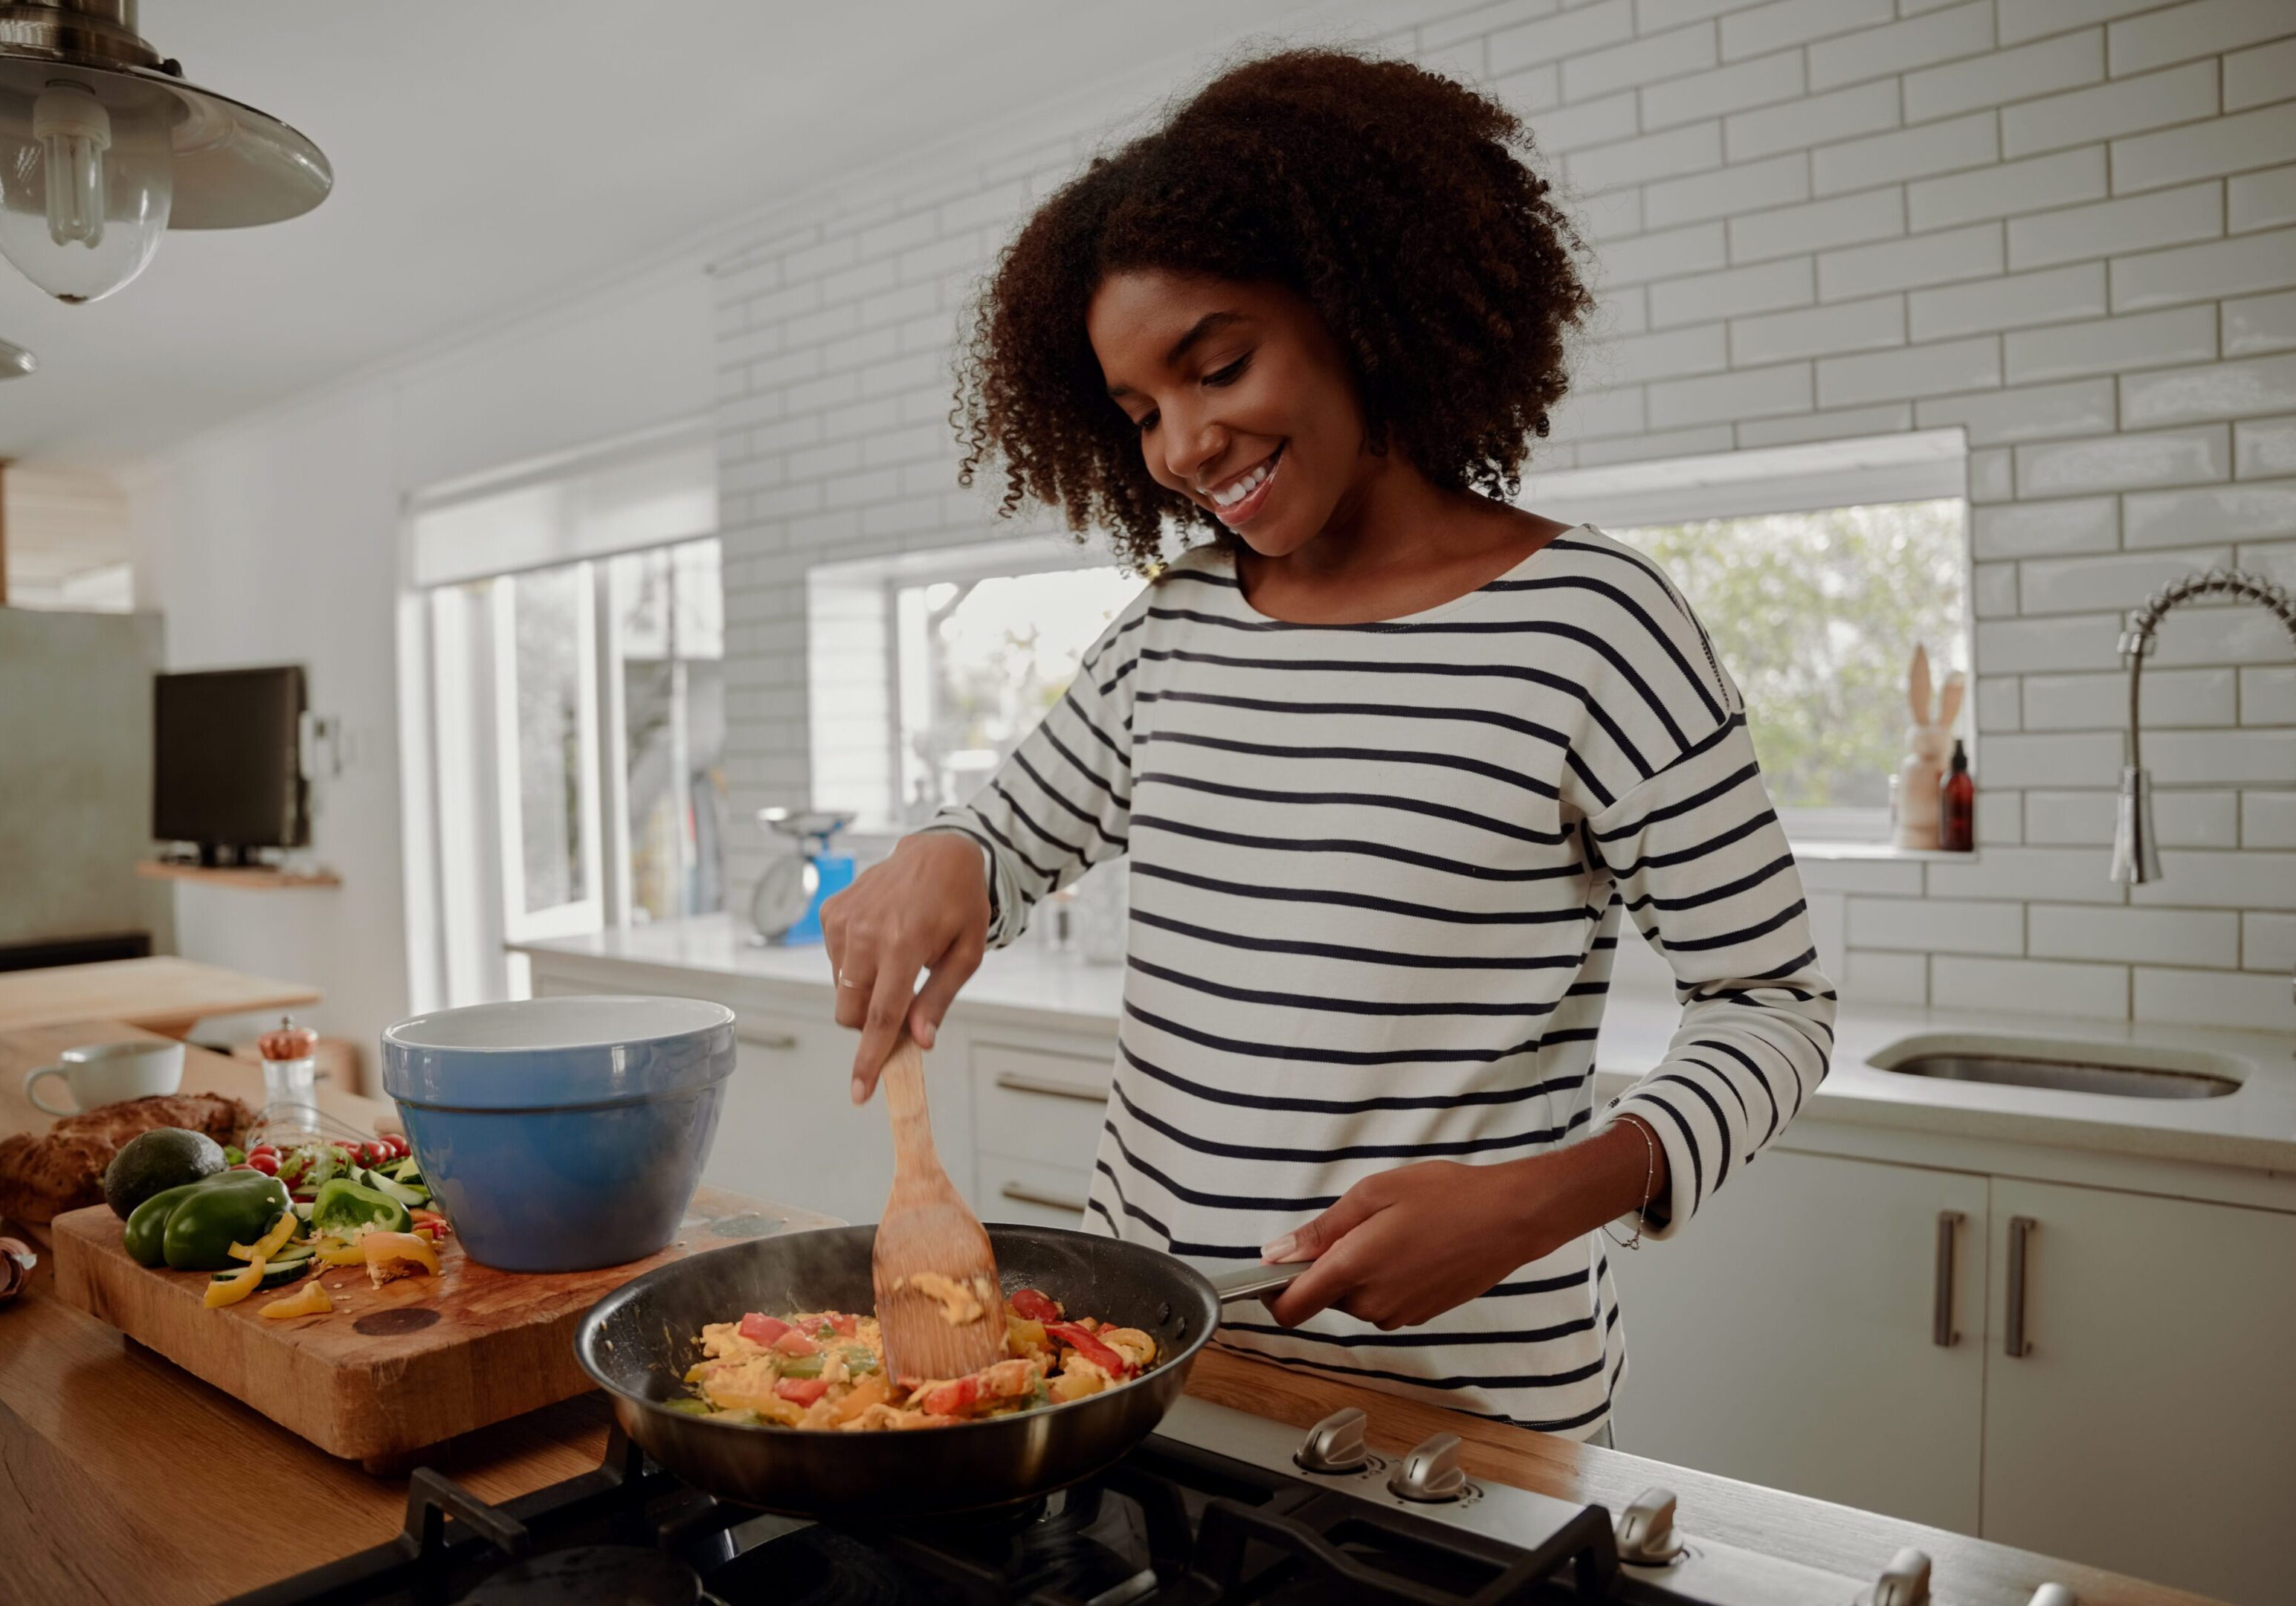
column 547, row 749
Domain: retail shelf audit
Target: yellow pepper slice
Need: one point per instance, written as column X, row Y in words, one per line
column 397, row 1255
column 270, row 1243
column 334, row 1251
column 236, row 1287
column 314, row 1300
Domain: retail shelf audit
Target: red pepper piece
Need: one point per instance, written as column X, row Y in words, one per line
column 1099, row 1354
column 950, row 1399
column 790, row 1341
column 761, row 1328
column 1034, row 1305
column 801, row 1391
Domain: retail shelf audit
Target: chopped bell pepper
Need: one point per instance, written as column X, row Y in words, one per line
column 759, row 1328
column 397, row 1255
column 1034, row 1305
column 334, row 1251
column 193, row 1228
column 949, row 1399
column 271, row 1242
column 790, row 1341
column 1085, row 1344
column 344, row 1206
column 232, row 1289
column 801, row 1391
column 802, row 1366
column 314, row 1300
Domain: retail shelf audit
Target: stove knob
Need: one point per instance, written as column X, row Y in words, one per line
column 1905, row 1582
column 1432, row 1471
column 1645, row 1530
column 1336, row 1443
column 2054, row 1595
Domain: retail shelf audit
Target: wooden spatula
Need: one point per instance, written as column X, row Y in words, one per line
column 932, row 1264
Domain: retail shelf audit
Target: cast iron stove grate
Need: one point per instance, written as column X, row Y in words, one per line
column 1170, row 1525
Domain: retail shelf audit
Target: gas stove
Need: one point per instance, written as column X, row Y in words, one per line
column 1217, row 1506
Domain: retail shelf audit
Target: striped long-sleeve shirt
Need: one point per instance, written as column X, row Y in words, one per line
column 1374, row 877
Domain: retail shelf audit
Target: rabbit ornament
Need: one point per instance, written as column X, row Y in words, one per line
column 1929, row 745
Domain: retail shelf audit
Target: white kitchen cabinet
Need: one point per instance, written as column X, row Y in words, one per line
column 1789, row 1336
column 2149, row 1426
column 789, row 1130
column 1037, row 1114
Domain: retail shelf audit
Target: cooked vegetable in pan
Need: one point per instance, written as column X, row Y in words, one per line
column 825, row 1370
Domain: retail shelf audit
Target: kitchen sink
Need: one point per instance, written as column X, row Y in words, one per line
column 2123, row 1069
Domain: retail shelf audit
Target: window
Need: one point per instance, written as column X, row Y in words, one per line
column 1816, row 570
column 569, row 717
column 982, row 661
column 1817, row 614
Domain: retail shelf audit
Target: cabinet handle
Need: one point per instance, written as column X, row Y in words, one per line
column 1013, row 1081
column 1941, row 1332
column 767, row 1039
column 2012, row 1338
column 1022, row 1193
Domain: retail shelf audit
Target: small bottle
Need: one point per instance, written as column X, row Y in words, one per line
column 1957, row 805
column 290, row 1074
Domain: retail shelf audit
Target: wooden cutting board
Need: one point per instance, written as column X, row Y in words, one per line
column 396, row 1368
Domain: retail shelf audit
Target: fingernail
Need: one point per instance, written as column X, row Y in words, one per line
column 860, row 1091
column 924, row 1033
column 1281, row 1249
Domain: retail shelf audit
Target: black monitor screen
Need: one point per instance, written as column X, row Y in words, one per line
column 227, row 768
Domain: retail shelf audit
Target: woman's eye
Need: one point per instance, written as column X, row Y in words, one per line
column 1229, row 374
column 1146, row 422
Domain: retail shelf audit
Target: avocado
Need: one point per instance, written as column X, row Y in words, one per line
column 154, row 1161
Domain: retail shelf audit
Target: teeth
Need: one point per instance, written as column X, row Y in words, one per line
column 1243, row 487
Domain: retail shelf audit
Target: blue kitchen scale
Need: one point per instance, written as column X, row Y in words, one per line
column 786, row 907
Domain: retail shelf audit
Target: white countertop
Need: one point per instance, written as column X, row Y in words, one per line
column 2254, row 1128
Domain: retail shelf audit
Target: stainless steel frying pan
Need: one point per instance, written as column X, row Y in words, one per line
column 638, row 1341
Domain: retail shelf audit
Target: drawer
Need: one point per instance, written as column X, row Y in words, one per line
column 1027, row 1102
column 1031, row 1192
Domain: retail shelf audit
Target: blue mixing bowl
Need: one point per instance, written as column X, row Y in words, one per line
column 563, row 1133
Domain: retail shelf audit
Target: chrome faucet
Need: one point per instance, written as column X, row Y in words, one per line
column 2135, row 857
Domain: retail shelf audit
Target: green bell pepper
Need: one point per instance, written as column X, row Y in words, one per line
column 193, row 1228
column 344, row 1206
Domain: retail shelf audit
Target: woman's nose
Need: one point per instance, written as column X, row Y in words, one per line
column 1190, row 444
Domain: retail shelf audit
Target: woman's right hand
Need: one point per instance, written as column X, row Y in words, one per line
column 925, row 908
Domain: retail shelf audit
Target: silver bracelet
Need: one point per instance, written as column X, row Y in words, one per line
column 1649, row 1177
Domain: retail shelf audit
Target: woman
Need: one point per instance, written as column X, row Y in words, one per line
column 1387, row 753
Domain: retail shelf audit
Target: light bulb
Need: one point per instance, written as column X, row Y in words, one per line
column 86, row 182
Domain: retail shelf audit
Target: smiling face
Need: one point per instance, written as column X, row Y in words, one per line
column 1244, row 403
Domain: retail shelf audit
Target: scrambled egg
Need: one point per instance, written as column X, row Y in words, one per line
column 961, row 1305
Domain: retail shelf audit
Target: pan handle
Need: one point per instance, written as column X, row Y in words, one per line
column 1251, row 1282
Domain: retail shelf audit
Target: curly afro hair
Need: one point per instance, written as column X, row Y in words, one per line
column 1397, row 202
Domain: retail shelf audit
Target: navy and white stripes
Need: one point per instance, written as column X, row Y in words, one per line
column 1376, row 877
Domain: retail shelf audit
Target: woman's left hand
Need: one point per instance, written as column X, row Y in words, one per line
column 1405, row 1246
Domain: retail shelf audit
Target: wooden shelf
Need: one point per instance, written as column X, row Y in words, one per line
column 255, row 877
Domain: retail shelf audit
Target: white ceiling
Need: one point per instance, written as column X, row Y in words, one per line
column 491, row 155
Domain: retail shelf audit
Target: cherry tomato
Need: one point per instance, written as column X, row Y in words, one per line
column 243, row 1165
column 399, row 1145
column 793, row 1342
column 263, row 1149
column 267, row 1163
column 801, row 1391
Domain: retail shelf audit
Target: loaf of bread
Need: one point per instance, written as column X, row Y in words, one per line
column 42, row 1178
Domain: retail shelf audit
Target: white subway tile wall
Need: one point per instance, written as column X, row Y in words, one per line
column 2066, row 226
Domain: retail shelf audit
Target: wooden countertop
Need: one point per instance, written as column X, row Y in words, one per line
column 124, row 1479
column 163, row 993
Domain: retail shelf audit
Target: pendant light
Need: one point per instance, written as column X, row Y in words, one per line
column 103, row 146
